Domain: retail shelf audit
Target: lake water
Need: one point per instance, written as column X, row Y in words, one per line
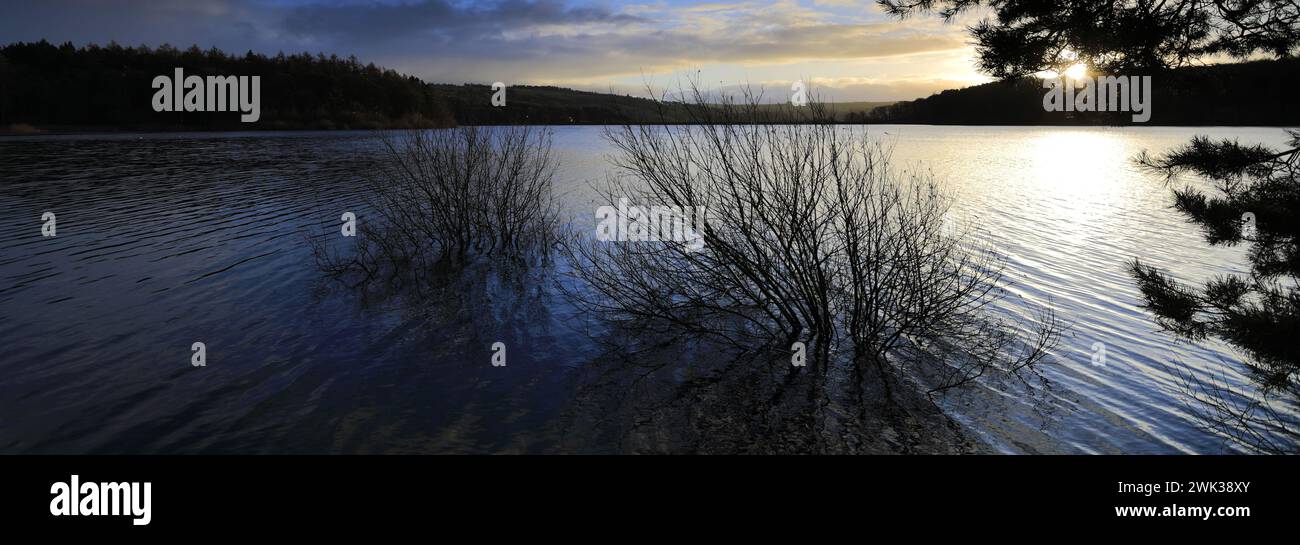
column 167, row 240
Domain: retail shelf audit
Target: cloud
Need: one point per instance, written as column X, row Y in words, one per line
column 229, row 24
column 666, row 40
column 376, row 22
column 564, row 42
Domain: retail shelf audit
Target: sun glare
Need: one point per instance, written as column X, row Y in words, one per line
column 1078, row 71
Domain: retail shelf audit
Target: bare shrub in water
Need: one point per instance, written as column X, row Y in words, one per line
column 809, row 237
column 444, row 197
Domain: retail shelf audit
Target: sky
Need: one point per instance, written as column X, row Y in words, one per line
column 844, row 50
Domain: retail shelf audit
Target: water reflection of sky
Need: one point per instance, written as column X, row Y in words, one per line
column 167, row 240
column 1068, row 209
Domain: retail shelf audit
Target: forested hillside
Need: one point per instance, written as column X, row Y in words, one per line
column 1258, row 93
column 48, row 86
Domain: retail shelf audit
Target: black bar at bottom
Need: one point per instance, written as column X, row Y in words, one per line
column 198, row 495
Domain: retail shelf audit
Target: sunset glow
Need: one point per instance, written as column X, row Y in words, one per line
column 849, row 51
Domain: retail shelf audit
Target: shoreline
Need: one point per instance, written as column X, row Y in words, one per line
column 94, row 131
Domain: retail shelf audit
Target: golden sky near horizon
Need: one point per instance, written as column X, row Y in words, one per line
column 847, row 50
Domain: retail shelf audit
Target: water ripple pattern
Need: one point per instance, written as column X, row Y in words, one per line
column 165, row 240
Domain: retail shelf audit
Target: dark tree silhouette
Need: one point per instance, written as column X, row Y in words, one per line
column 811, row 237
column 60, row 87
column 1258, row 200
column 1259, row 93
column 440, row 200
column 47, row 85
column 1258, row 196
column 1026, row 36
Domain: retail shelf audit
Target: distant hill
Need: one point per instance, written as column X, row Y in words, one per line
column 471, row 104
column 846, row 111
column 47, row 87
column 1257, row 93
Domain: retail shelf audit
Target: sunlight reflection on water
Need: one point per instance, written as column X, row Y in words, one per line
column 172, row 238
column 1068, row 208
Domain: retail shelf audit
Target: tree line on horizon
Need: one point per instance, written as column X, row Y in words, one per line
column 65, row 87
column 47, row 85
column 1256, row 93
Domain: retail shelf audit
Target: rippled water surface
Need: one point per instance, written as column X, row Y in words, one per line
column 167, row 240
